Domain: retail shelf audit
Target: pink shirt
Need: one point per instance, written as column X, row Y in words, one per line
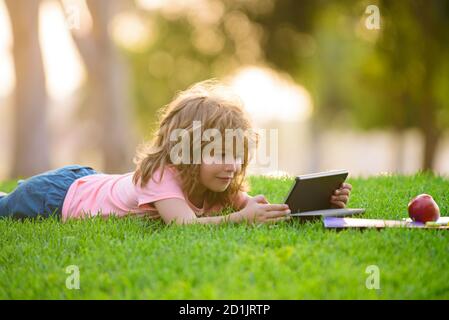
column 106, row 194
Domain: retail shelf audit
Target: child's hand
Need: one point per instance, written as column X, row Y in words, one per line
column 341, row 196
column 258, row 210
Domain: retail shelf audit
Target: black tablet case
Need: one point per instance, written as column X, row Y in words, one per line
column 309, row 194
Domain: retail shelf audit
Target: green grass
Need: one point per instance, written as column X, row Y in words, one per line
column 139, row 259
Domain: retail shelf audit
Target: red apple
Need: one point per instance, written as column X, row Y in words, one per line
column 423, row 208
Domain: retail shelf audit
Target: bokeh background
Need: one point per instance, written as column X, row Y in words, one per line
column 81, row 81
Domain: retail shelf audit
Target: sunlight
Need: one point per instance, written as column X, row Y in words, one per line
column 62, row 64
column 7, row 77
column 151, row 4
column 269, row 96
column 132, row 32
column 170, row 5
column 198, row 12
column 63, row 67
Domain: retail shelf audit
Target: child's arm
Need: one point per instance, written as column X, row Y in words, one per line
column 257, row 210
column 178, row 211
column 242, row 200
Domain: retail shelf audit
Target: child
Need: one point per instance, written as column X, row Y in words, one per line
column 162, row 186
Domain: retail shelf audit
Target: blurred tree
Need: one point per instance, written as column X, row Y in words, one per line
column 304, row 39
column 396, row 77
column 107, row 85
column 408, row 72
column 213, row 38
column 393, row 78
column 31, row 139
column 189, row 43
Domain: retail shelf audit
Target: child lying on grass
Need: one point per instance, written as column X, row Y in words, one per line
column 162, row 186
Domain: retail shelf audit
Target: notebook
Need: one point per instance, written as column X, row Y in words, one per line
column 345, row 223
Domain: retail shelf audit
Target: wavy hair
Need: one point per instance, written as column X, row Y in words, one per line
column 216, row 107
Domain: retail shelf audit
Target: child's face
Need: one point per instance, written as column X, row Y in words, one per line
column 217, row 175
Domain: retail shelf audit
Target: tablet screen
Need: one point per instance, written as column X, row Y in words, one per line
column 313, row 192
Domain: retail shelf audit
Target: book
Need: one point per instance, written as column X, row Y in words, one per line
column 346, row 223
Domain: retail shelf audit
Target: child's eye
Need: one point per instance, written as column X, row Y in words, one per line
column 220, row 157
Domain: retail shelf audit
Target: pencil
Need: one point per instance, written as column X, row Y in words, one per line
column 436, row 224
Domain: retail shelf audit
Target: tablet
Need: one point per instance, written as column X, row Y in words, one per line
column 312, row 192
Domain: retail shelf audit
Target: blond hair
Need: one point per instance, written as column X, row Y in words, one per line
column 216, row 107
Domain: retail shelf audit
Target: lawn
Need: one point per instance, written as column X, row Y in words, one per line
column 139, row 259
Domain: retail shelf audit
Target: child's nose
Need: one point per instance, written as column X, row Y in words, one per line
column 231, row 166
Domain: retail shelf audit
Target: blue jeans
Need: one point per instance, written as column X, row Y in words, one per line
column 43, row 194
